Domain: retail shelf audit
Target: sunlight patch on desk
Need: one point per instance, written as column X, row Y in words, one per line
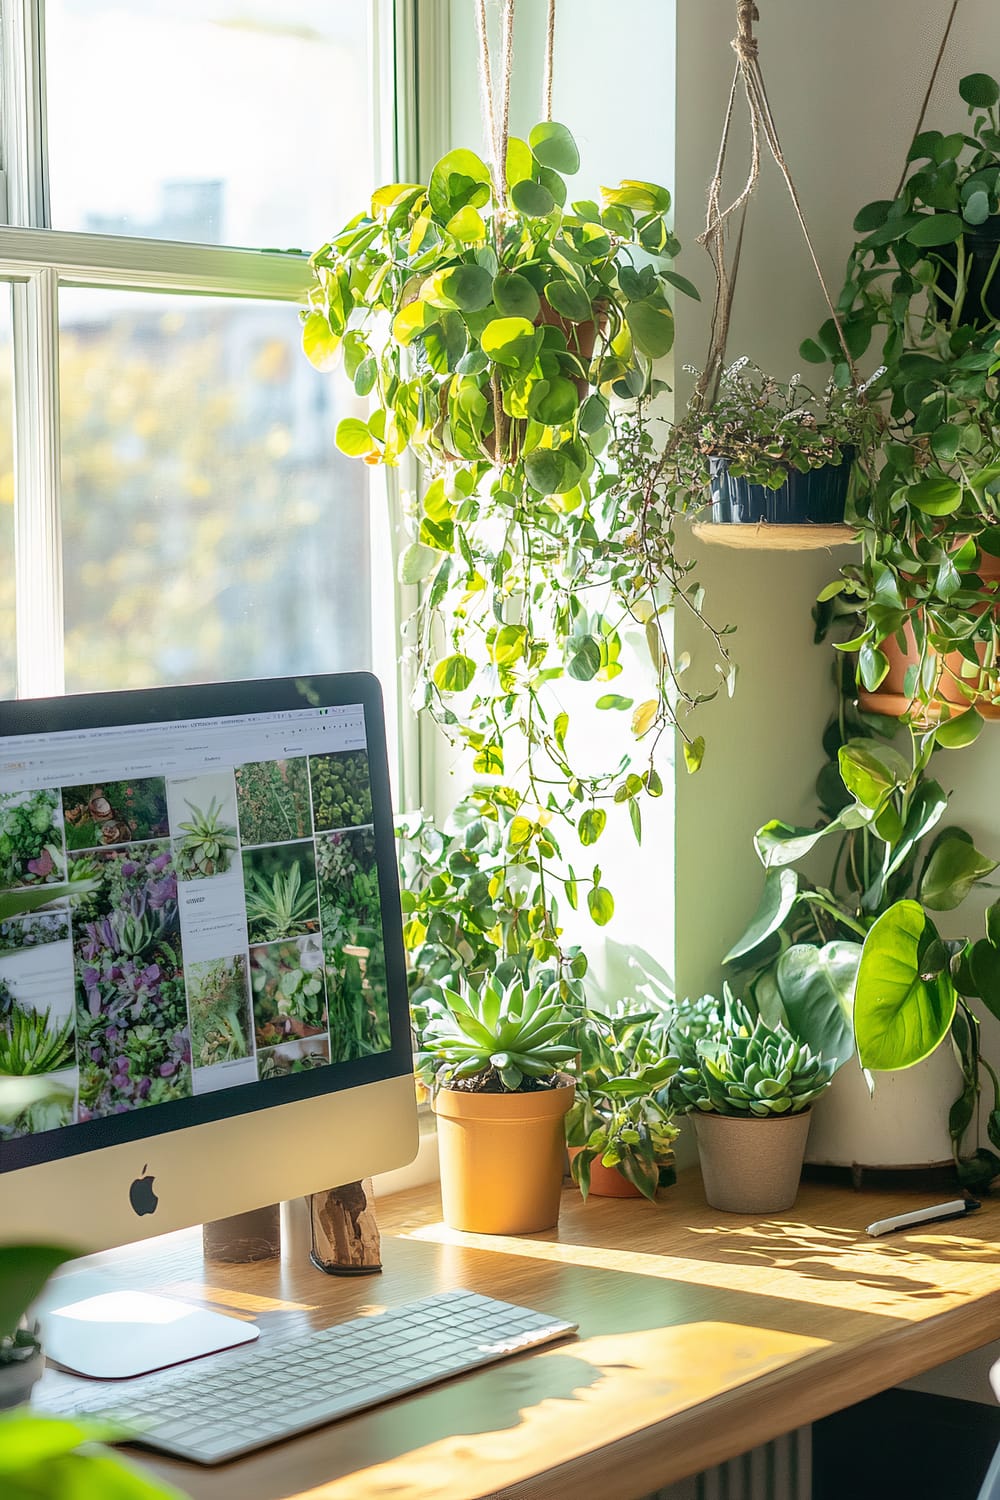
column 564, row 1403
column 223, row 1296
column 784, row 1258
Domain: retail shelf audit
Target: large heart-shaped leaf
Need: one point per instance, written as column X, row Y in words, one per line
column 816, row 986
column 902, row 1009
column 954, row 867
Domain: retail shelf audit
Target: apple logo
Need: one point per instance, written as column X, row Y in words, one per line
column 141, row 1195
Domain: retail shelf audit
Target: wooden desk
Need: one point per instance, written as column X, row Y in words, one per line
column 701, row 1335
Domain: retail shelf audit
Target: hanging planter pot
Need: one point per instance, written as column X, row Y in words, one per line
column 980, row 304
column 816, row 497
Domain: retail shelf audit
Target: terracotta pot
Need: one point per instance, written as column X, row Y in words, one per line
column 17, row 1379
column 751, row 1164
column 502, row 1158
column 606, row 1182
column 889, row 697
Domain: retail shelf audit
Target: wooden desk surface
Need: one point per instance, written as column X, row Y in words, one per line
column 701, row 1335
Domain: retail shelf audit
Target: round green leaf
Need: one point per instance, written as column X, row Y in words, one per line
column 900, row 1015
column 467, row 225
column 453, row 674
column 613, row 700
column 601, row 905
column 591, row 825
column 469, row 288
column 872, row 216
column 593, row 414
column 320, row 344
column 459, row 180
column 354, row 438
column 520, row 162
column 651, row 324
column 956, row 733
column 569, row 301
column 976, row 209
column 936, row 229
column 515, row 297
column 979, row 90
column 510, row 342
column 417, row 563
column 557, row 403
column 532, row 199
column 938, row 496
column 553, row 146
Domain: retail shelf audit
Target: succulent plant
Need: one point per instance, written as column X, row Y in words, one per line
column 760, row 1071
column 697, row 1021
column 208, row 843
column 505, row 1037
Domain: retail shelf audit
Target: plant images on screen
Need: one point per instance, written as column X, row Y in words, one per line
column 281, row 893
column 31, row 838
column 272, row 799
column 289, row 991
column 353, row 949
column 208, row 845
column 341, row 790
column 133, row 1042
column 219, row 1004
column 115, row 812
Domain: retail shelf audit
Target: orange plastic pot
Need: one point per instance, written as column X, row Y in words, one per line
column 502, row 1158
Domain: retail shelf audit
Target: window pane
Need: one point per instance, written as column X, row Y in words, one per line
column 238, row 122
column 211, row 529
column 8, row 653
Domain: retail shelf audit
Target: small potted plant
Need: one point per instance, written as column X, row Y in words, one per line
column 493, row 1058
column 767, row 452
column 749, row 1091
column 620, row 1130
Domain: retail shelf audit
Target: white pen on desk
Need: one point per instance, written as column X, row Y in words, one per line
column 957, row 1208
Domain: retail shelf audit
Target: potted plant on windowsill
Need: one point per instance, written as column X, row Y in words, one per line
column 748, row 1090
column 494, row 1060
column 620, row 1130
column 930, row 519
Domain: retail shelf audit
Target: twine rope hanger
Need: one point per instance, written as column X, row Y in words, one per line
column 495, row 102
column 762, row 126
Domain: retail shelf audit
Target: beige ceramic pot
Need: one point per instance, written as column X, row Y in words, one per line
column 502, row 1158
column 751, row 1164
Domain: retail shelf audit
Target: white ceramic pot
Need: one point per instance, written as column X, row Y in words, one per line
column 903, row 1124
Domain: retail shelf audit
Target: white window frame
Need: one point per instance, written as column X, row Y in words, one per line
column 37, row 261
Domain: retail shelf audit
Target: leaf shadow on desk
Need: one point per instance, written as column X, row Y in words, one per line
column 829, row 1253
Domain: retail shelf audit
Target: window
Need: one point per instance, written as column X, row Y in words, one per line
column 172, row 506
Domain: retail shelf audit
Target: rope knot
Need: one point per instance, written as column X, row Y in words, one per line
column 745, row 48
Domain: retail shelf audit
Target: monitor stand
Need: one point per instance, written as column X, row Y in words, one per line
column 92, row 1325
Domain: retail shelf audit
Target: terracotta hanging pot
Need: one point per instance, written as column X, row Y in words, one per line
column 890, row 697
column 502, row 1158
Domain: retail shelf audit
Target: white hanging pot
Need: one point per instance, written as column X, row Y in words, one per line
column 903, row 1124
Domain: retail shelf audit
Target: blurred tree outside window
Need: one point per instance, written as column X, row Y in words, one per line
column 183, row 512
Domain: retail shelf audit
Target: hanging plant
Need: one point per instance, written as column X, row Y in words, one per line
column 506, row 337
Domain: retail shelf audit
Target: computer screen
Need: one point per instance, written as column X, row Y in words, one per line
column 200, row 952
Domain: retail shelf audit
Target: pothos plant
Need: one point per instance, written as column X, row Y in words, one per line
column 923, row 288
column 853, row 962
column 507, row 338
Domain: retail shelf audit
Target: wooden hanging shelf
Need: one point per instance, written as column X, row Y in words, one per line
column 768, row 538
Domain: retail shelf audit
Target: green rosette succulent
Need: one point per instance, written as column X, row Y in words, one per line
column 508, row 1038
column 760, row 1071
column 706, row 1019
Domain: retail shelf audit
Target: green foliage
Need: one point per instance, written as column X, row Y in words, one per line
column 51, row 1457
column 923, row 289
column 218, row 1007
column 620, row 1113
column 29, row 1044
column 353, row 947
column 507, row 1038
column 272, row 801
column 289, row 992
column 342, row 796
column 705, row 1019
column 281, row 896
column 30, row 839
column 208, row 843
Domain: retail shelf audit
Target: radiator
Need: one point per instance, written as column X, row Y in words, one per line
column 781, row 1470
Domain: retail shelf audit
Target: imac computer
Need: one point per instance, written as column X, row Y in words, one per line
column 201, row 955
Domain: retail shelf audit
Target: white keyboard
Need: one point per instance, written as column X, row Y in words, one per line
column 228, row 1404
